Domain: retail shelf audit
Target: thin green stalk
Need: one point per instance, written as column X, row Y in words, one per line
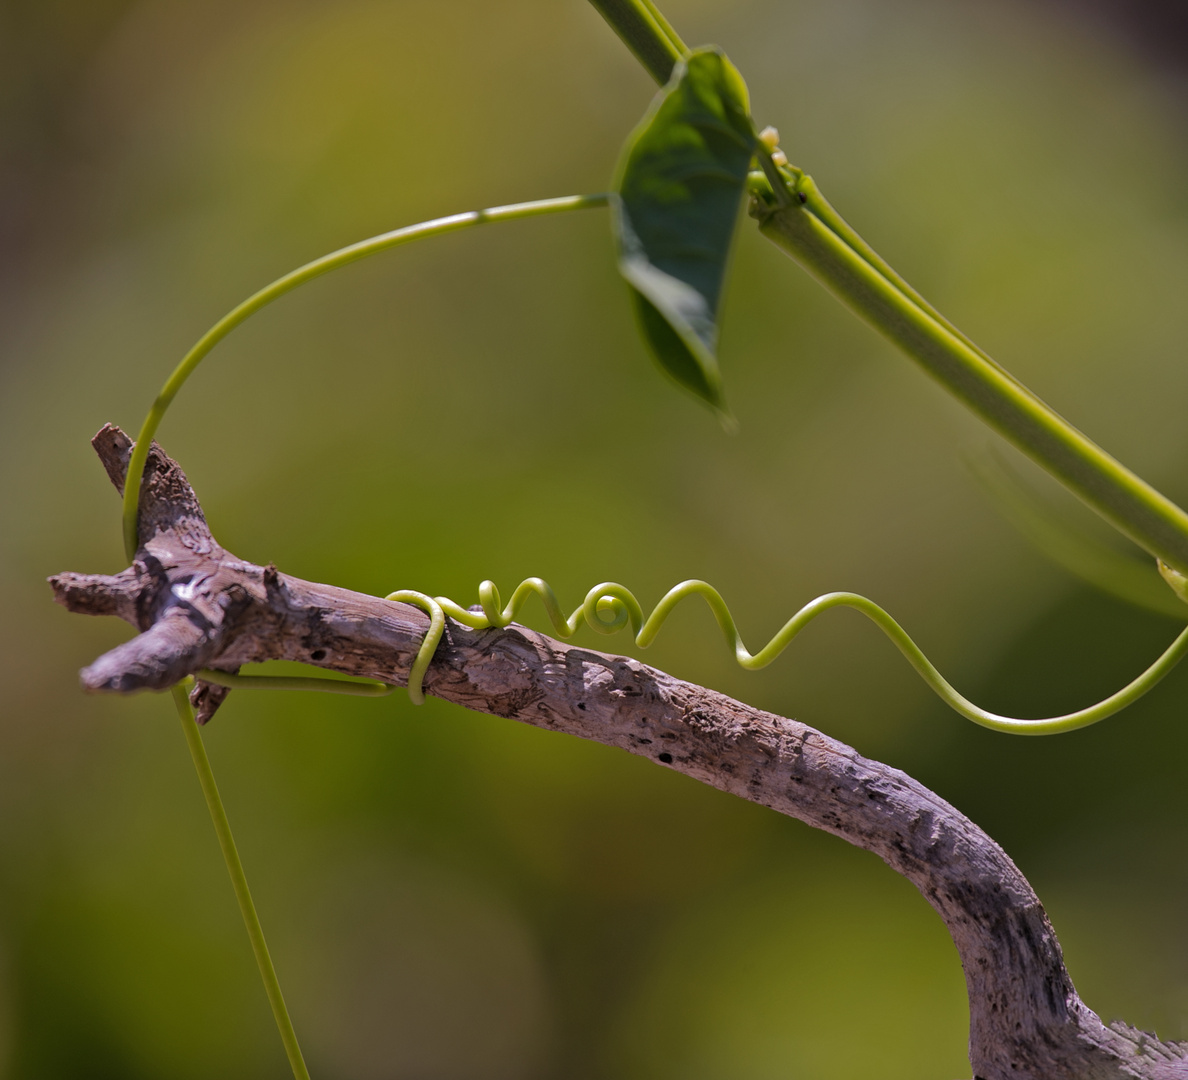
column 646, row 33
column 288, row 283
column 238, row 880
column 1126, row 501
column 296, row 682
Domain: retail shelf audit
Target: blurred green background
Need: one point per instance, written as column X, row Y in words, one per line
column 450, row 896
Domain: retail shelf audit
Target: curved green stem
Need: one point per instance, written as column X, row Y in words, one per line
column 243, row 895
column 288, row 283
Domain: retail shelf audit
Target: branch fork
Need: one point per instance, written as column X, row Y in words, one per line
column 196, row 606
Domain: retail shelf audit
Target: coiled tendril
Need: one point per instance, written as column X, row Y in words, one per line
column 611, row 607
column 608, row 607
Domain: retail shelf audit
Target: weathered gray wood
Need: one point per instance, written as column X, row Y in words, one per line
column 198, row 606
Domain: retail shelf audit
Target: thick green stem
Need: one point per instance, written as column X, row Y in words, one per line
column 1126, row 501
column 247, row 908
column 665, row 27
column 646, row 33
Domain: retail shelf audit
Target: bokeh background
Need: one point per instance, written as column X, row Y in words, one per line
column 450, row 896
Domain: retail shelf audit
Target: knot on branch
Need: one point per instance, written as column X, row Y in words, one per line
column 196, row 606
column 167, row 501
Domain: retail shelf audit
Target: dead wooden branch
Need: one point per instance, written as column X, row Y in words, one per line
column 197, row 606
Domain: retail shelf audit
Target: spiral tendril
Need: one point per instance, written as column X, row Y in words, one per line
column 610, row 607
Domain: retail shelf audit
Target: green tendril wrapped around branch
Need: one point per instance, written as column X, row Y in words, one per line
column 611, row 607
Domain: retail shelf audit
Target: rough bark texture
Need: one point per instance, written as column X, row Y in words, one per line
column 197, row 606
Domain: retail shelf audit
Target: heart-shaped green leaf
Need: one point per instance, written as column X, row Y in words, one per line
column 680, row 189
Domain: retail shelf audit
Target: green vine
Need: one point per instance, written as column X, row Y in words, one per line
column 684, row 174
column 243, row 895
